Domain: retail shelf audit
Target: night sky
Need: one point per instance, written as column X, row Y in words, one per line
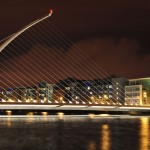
column 113, row 34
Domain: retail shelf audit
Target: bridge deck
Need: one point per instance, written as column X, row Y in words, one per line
column 86, row 107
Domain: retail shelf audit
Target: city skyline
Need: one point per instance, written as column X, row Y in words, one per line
column 111, row 90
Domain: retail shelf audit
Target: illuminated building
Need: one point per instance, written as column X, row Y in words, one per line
column 2, row 95
column 109, row 90
column 40, row 93
column 138, row 91
column 9, row 95
column 105, row 90
column 45, row 92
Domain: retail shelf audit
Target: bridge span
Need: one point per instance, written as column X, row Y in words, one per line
column 74, row 107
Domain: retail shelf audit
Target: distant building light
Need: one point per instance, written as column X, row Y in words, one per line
column 110, row 86
column 76, row 97
column 42, row 101
column 92, row 97
column 88, row 88
column 91, row 92
column 144, row 94
column 110, row 96
column 100, row 96
column 61, row 98
column 105, row 96
column 67, row 88
column 10, row 100
column 19, row 101
column 27, row 100
column 3, row 100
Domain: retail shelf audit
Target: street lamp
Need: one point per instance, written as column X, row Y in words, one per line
column 61, row 99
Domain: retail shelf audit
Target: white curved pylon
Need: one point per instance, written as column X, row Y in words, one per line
column 6, row 38
column 9, row 40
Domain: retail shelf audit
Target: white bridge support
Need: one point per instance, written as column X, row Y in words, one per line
column 70, row 107
column 15, row 35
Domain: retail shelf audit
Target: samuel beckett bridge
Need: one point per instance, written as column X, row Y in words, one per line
column 56, row 58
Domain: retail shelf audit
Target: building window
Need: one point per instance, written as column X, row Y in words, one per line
column 128, row 89
column 132, row 83
column 67, row 88
column 138, row 82
column 128, row 95
column 136, row 94
column 136, row 89
column 110, row 96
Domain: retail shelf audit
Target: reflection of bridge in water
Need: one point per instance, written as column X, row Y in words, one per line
column 108, row 102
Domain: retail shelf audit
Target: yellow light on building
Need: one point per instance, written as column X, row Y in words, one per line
column 92, row 98
column 45, row 99
column 105, row 96
column 61, row 98
column 144, row 94
column 34, row 101
column 10, row 100
column 27, row 100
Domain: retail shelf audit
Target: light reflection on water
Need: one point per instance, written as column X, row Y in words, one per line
column 9, row 122
column 105, row 134
column 92, row 145
column 144, row 134
column 62, row 132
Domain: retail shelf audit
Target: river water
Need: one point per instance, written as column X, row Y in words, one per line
column 62, row 132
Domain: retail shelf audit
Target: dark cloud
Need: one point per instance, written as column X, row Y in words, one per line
column 85, row 60
column 113, row 55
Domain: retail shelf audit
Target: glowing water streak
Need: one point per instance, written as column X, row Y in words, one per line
column 23, row 30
